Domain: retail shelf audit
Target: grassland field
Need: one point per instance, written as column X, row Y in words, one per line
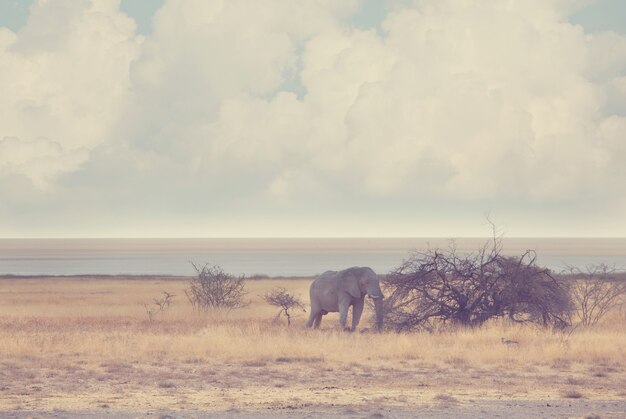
column 85, row 347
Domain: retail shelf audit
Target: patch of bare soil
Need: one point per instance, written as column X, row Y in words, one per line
column 513, row 409
column 58, row 387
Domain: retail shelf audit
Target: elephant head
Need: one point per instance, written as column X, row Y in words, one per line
column 369, row 284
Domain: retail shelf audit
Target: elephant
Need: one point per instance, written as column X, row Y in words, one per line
column 335, row 291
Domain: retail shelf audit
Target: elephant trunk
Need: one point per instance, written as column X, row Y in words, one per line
column 374, row 291
column 378, row 306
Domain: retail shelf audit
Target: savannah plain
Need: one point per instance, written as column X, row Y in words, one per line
column 86, row 347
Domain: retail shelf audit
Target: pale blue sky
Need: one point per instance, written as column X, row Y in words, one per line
column 599, row 15
column 14, row 13
column 602, row 15
column 308, row 118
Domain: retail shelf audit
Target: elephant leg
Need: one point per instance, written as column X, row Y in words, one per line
column 357, row 310
column 343, row 312
column 318, row 320
column 314, row 317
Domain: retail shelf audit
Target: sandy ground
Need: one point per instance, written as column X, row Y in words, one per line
column 513, row 409
column 300, row 387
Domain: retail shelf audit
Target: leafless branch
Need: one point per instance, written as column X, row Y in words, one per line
column 444, row 285
column 160, row 305
column 281, row 298
column 214, row 288
column 596, row 291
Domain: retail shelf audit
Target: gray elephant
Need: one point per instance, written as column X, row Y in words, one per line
column 336, row 291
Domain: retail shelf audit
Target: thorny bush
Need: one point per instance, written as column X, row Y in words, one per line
column 446, row 286
column 214, row 288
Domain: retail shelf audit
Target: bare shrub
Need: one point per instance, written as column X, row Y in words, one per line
column 437, row 286
column 445, row 398
column 214, row 288
column 281, row 298
column 159, row 305
column 596, row 291
column 167, row 384
column 573, row 394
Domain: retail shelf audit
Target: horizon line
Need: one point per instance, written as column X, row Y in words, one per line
column 503, row 237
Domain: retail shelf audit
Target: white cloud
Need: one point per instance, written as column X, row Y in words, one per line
column 37, row 159
column 64, row 79
column 490, row 100
column 456, row 101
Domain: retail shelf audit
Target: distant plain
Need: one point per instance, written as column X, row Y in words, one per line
column 275, row 257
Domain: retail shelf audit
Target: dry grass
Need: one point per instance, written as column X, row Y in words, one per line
column 88, row 343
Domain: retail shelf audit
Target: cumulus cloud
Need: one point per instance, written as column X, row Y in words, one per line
column 203, row 53
column 64, row 78
column 474, row 100
column 37, row 159
column 456, row 101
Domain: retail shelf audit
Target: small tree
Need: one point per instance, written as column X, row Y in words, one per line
column 596, row 291
column 160, row 305
column 279, row 297
column 439, row 286
column 214, row 288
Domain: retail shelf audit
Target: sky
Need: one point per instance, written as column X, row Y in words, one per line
column 316, row 118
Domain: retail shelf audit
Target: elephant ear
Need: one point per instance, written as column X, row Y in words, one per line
column 350, row 284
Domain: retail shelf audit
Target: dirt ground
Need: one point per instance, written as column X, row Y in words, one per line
column 299, row 387
column 482, row 409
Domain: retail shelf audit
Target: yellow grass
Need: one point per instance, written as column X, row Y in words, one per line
column 96, row 332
